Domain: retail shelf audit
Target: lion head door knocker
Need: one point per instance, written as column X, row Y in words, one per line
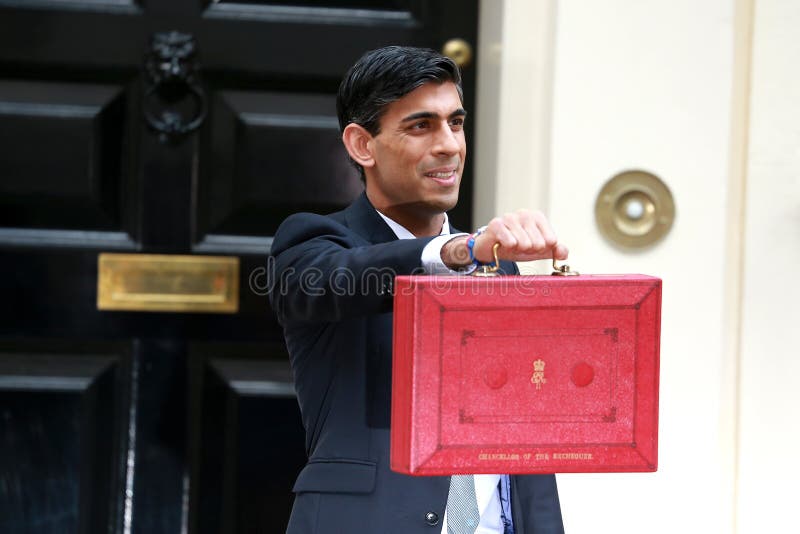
column 174, row 102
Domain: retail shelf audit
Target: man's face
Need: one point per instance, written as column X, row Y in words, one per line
column 419, row 154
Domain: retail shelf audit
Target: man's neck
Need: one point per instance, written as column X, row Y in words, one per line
column 403, row 233
column 416, row 219
column 420, row 227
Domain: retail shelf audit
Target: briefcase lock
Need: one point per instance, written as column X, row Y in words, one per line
column 562, row 270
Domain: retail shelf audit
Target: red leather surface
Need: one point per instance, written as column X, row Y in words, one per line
column 525, row 374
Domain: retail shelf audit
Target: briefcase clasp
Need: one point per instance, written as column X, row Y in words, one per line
column 562, row 270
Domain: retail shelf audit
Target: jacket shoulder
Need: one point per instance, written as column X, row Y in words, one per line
column 302, row 227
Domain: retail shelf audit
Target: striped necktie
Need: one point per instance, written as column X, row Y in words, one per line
column 462, row 506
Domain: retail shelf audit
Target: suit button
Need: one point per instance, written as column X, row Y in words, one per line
column 432, row 518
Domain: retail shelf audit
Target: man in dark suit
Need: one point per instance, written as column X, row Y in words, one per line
column 401, row 114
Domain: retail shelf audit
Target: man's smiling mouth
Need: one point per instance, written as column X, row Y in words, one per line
column 443, row 178
column 440, row 174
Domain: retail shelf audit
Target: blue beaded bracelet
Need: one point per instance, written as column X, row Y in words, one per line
column 471, row 245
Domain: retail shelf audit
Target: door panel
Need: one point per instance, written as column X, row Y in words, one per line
column 59, row 437
column 250, row 420
column 257, row 174
column 62, row 144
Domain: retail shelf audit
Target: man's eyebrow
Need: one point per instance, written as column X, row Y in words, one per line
column 460, row 112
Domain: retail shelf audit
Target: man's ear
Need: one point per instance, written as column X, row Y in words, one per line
column 358, row 142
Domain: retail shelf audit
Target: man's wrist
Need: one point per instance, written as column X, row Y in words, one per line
column 455, row 254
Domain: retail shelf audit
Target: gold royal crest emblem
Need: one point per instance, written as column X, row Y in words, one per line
column 538, row 374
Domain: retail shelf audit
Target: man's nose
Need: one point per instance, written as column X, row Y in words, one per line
column 446, row 141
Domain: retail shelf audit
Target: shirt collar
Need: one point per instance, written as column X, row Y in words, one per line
column 402, row 233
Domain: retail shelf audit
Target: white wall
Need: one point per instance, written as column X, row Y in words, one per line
column 705, row 95
column 646, row 84
column 769, row 425
column 515, row 63
column 657, row 85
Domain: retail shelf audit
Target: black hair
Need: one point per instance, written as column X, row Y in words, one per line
column 385, row 75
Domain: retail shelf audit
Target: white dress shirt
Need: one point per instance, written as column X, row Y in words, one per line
column 486, row 491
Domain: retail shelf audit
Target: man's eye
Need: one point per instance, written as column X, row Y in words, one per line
column 458, row 122
column 419, row 125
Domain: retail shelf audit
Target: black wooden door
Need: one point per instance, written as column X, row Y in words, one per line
column 154, row 422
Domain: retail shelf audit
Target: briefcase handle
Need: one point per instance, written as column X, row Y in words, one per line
column 491, row 269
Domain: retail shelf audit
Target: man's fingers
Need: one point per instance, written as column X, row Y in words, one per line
column 523, row 235
column 548, row 234
column 500, row 233
column 514, row 223
column 539, row 241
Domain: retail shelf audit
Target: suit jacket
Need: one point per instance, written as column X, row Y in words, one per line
column 333, row 296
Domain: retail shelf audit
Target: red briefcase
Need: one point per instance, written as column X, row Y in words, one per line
column 525, row 374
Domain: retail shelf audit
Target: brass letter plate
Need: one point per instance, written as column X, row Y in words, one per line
column 167, row 283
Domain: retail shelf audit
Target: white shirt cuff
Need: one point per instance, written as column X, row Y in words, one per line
column 432, row 257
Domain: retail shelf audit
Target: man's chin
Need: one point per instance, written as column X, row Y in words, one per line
column 430, row 207
column 440, row 205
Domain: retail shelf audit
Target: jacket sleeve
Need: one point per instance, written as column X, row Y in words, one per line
column 324, row 272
